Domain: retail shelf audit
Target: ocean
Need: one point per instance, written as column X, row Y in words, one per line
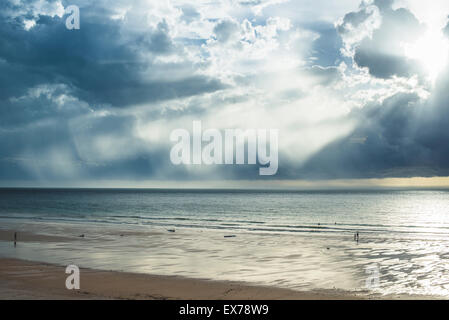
column 296, row 239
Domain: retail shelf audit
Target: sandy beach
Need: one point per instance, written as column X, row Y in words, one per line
column 34, row 280
column 24, row 279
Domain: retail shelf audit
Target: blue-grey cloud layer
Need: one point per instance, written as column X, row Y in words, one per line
column 52, row 78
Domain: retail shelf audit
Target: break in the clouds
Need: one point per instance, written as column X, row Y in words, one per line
column 356, row 89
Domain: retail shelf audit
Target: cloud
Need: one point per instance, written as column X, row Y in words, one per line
column 376, row 36
column 100, row 102
column 102, row 63
column 225, row 30
column 325, row 75
column 189, row 13
column 404, row 136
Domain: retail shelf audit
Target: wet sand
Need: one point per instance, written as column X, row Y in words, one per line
column 34, row 280
column 23, row 279
column 24, row 236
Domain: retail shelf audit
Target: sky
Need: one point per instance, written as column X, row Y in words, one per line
column 357, row 89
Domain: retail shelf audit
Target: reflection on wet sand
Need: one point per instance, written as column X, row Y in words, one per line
column 300, row 262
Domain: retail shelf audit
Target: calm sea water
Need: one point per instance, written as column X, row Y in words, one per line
column 299, row 240
column 382, row 213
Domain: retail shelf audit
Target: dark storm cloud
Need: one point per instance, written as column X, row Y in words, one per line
column 58, row 86
column 33, row 139
column 50, row 77
column 40, row 104
column 25, row 147
column 382, row 53
column 383, row 65
column 98, row 62
column 402, row 137
column 382, row 141
column 56, row 150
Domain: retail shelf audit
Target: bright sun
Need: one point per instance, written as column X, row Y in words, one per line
column 431, row 50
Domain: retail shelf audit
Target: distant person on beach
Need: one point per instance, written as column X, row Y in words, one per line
column 15, row 238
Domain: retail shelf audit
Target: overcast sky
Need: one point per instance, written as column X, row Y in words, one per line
column 357, row 89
